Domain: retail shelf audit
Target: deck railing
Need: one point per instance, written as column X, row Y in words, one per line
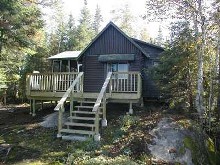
column 125, row 82
column 54, row 82
column 120, row 82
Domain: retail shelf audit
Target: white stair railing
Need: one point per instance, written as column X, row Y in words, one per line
column 101, row 98
column 69, row 93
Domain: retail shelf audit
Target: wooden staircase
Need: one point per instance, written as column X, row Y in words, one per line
column 81, row 122
column 84, row 120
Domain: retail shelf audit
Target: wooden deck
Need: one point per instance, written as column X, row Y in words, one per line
column 123, row 86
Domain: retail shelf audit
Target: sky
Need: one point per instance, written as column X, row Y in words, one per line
column 137, row 8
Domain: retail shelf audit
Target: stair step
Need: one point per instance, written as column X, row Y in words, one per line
column 85, row 106
column 75, row 138
column 88, row 102
column 85, row 112
column 73, row 131
column 81, row 118
column 80, row 124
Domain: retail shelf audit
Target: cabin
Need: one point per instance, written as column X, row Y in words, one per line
column 112, row 68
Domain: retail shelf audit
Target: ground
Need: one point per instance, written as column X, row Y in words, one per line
column 126, row 140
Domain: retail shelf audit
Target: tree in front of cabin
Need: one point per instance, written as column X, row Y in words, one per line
column 176, row 73
column 19, row 22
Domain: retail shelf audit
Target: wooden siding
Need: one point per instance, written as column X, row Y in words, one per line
column 149, row 87
column 110, row 42
column 94, row 74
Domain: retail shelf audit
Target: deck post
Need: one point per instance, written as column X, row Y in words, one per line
column 42, row 104
column 34, row 108
column 97, row 136
column 104, row 120
column 30, row 107
column 130, row 108
column 60, row 118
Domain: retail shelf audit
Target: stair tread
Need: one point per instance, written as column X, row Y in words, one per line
column 74, row 131
column 74, row 137
column 79, row 124
column 85, row 106
column 81, row 118
column 85, row 112
column 88, row 102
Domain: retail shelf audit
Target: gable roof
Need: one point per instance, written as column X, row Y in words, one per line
column 125, row 35
column 66, row 54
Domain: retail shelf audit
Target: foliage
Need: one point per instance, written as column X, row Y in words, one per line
column 19, row 23
column 124, row 19
column 177, row 72
column 84, row 32
column 98, row 19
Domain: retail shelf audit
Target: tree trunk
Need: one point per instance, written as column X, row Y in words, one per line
column 218, row 63
column 200, row 52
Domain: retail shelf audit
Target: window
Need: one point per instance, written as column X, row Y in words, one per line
column 65, row 66
column 56, row 66
column 117, row 67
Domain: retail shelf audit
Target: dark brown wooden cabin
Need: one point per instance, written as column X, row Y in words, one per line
column 112, row 69
column 113, row 50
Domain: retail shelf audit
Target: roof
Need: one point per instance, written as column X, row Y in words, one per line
column 66, row 54
column 125, row 35
column 147, row 44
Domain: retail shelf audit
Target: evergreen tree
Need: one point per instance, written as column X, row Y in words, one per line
column 159, row 39
column 176, row 74
column 19, row 22
column 124, row 19
column 144, row 35
column 71, row 34
column 98, row 19
column 84, row 30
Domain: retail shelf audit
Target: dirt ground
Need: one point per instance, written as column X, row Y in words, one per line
column 24, row 141
column 11, row 115
column 18, row 131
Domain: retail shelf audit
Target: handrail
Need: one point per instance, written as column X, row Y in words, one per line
column 67, row 93
column 101, row 94
column 60, row 105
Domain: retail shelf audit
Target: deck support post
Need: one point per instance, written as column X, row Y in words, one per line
column 60, row 118
column 30, row 107
column 97, row 137
column 104, row 120
column 130, row 108
column 34, row 108
column 42, row 104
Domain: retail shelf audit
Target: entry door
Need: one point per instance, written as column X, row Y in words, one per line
column 119, row 80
